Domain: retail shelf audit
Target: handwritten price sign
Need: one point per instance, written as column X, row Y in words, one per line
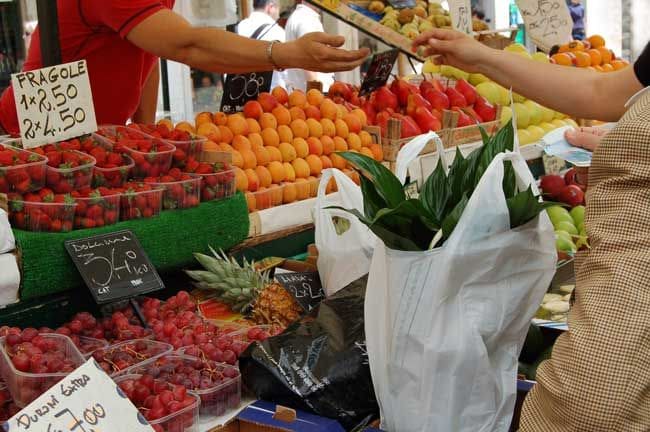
column 548, row 22
column 54, row 103
column 242, row 88
column 461, row 15
column 87, row 400
column 306, row 288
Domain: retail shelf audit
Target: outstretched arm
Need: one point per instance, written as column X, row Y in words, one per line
column 578, row 92
column 146, row 112
column 168, row 35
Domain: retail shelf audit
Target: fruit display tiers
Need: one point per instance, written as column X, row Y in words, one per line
column 169, row 240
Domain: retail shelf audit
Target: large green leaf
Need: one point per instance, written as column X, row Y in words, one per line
column 503, row 140
column 452, row 218
column 509, row 180
column 524, row 207
column 456, row 178
column 435, row 193
column 372, row 201
column 386, row 184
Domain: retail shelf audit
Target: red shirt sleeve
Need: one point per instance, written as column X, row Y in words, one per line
column 122, row 16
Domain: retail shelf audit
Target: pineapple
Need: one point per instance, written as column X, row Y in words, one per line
column 245, row 289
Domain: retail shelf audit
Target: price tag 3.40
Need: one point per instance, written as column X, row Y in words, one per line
column 54, row 103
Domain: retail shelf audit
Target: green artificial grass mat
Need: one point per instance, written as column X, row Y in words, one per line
column 169, row 240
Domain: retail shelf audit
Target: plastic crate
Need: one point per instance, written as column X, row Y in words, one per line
column 181, row 194
column 41, row 217
column 217, row 185
column 65, row 180
column 26, row 177
column 152, row 163
column 115, row 368
column 141, row 205
column 94, row 212
column 113, row 177
column 87, row 345
column 26, row 387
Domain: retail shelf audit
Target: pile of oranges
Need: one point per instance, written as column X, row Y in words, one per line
column 590, row 53
column 281, row 142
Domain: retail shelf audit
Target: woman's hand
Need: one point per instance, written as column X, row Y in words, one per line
column 318, row 52
column 587, row 138
column 453, row 48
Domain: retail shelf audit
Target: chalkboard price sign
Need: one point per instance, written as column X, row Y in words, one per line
column 114, row 266
column 379, row 71
column 242, row 88
column 306, row 288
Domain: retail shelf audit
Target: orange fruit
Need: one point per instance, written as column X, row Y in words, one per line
column 207, row 128
column 226, row 147
column 277, row 171
column 562, row 59
column 328, row 109
column 285, row 133
column 366, row 138
column 250, row 161
column 297, row 113
column 340, row 144
column 312, row 111
column 606, row 54
column 338, row 161
column 226, row 134
column 241, row 180
column 262, row 155
column 301, row 167
column 210, row 146
column 240, row 142
column 264, row 175
column 608, row 67
column 268, row 120
column 289, row 193
column 282, row 115
column 378, row 152
column 363, row 118
column 367, row 152
column 563, row 48
column 353, row 122
column 315, row 128
column 201, row 118
column 255, row 139
column 288, row 152
column 583, row 59
column 253, row 180
column 253, row 125
column 290, row 173
column 251, row 202
column 274, row 154
column 220, row 118
column 253, row 110
column 596, row 41
column 270, row 137
column 329, row 128
column 297, row 98
column 237, row 159
column 328, row 144
column 315, row 146
column 341, row 111
column 237, row 124
column 596, row 57
column 342, row 129
column 327, row 162
column 619, row 64
column 299, row 128
column 354, row 142
column 576, row 46
column 301, row 146
column 315, row 97
column 280, row 95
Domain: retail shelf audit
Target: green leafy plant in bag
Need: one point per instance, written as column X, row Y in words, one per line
column 411, row 224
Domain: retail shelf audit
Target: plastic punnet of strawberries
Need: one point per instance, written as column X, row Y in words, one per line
column 96, row 207
column 21, row 171
column 42, row 211
column 67, row 170
column 158, row 401
column 187, row 145
column 152, row 157
column 217, row 179
column 112, row 168
column 181, row 189
column 140, row 201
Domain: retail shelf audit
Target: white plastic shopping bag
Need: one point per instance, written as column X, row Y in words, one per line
column 345, row 257
column 444, row 328
column 7, row 241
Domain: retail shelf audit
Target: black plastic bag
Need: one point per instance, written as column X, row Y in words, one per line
column 320, row 363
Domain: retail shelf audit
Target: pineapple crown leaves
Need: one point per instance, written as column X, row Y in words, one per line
column 419, row 224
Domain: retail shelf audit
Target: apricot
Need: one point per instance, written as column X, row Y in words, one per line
column 289, row 193
column 290, row 173
column 299, row 128
column 361, row 115
column 366, row 138
column 596, row 57
column 268, row 121
column 253, row 125
column 301, row 146
column 255, row 140
column 301, row 167
column 226, row 134
column 341, row 111
column 220, row 118
column 270, row 137
column 263, row 198
column 185, row 126
column 276, row 169
column 619, row 64
column 241, row 180
column 331, row 186
column 237, row 159
column 354, row 142
column 328, row 144
column 280, row 94
column 297, row 98
column 302, row 189
column 250, row 202
column 582, row 59
column 606, row 54
column 215, row 135
column 596, row 41
column 226, row 147
column 285, row 134
column 253, row 180
column 608, row 67
column 338, row 161
column 277, row 195
column 340, row 144
column 312, row 112
column 326, row 161
column 237, row 124
column 210, row 146
column 328, row 109
column 313, row 185
column 341, row 128
column 297, row 113
column 240, row 142
column 207, row 128
column 378, row 152
column 274, row 154
column 253, row 110
column 268, row 102
column 315, row 146
column 329, row 128
column 264, row 175
column 353, row 122
column 367, row 152
column 562, row 59
column 315, row 97
column 201, row 118
column 288, row 152
column 282, row 115
column 168, row 123
column 262, row 155
column 315, row 128
column 250, row 161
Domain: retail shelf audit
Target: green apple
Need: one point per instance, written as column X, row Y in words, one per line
column 547, row 114
column 541, row 57
column 564, row 242
column 578, row 215
column 558, row 122
column 506, row 115
column 477, row 78
column 536, row 132
column 504, row 95
column 535, row 111
column 558, row 214
column 525, row 137
column 547, row 127
column 490, row 91
column 568, row 227
column 522, row 114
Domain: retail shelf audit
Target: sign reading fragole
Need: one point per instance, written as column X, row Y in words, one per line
column 54, row 103
column 86, row 400
column 114, row 266
column 461, row 15
column 548, row 22
column 306, row 288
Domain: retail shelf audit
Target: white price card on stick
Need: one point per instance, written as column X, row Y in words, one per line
column 461, row 15
column 54, row 103
column 548, row 22
column 87, row 400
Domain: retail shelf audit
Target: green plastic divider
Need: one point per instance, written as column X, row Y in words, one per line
column 169, row 240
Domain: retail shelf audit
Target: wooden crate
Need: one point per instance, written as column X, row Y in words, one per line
column 494, row 38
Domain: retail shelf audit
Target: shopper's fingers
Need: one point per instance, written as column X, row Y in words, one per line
column 327, row 39
column 327, row 54
column 585, row 140
column 437, row 34
column 341, row 66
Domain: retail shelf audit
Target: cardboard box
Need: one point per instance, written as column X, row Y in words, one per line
column 268, row 417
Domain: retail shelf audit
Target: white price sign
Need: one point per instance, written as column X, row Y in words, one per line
column 461, row 15
column 54, row 103
column 548, row 22
column 87, row 400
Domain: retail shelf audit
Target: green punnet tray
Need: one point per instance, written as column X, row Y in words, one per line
column 169, row 240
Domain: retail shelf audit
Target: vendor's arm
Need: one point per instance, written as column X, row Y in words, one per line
column 168, row 35
column 146, row 112
column 574, row 91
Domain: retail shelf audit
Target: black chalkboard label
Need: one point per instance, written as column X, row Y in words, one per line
column 306, row 288
column 241, row 88
column 114, row 266
column 401, row 4
column 379, row 71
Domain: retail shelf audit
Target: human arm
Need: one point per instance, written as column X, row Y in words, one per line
column 146, row 112
column 578, row 92
column 168, row 35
